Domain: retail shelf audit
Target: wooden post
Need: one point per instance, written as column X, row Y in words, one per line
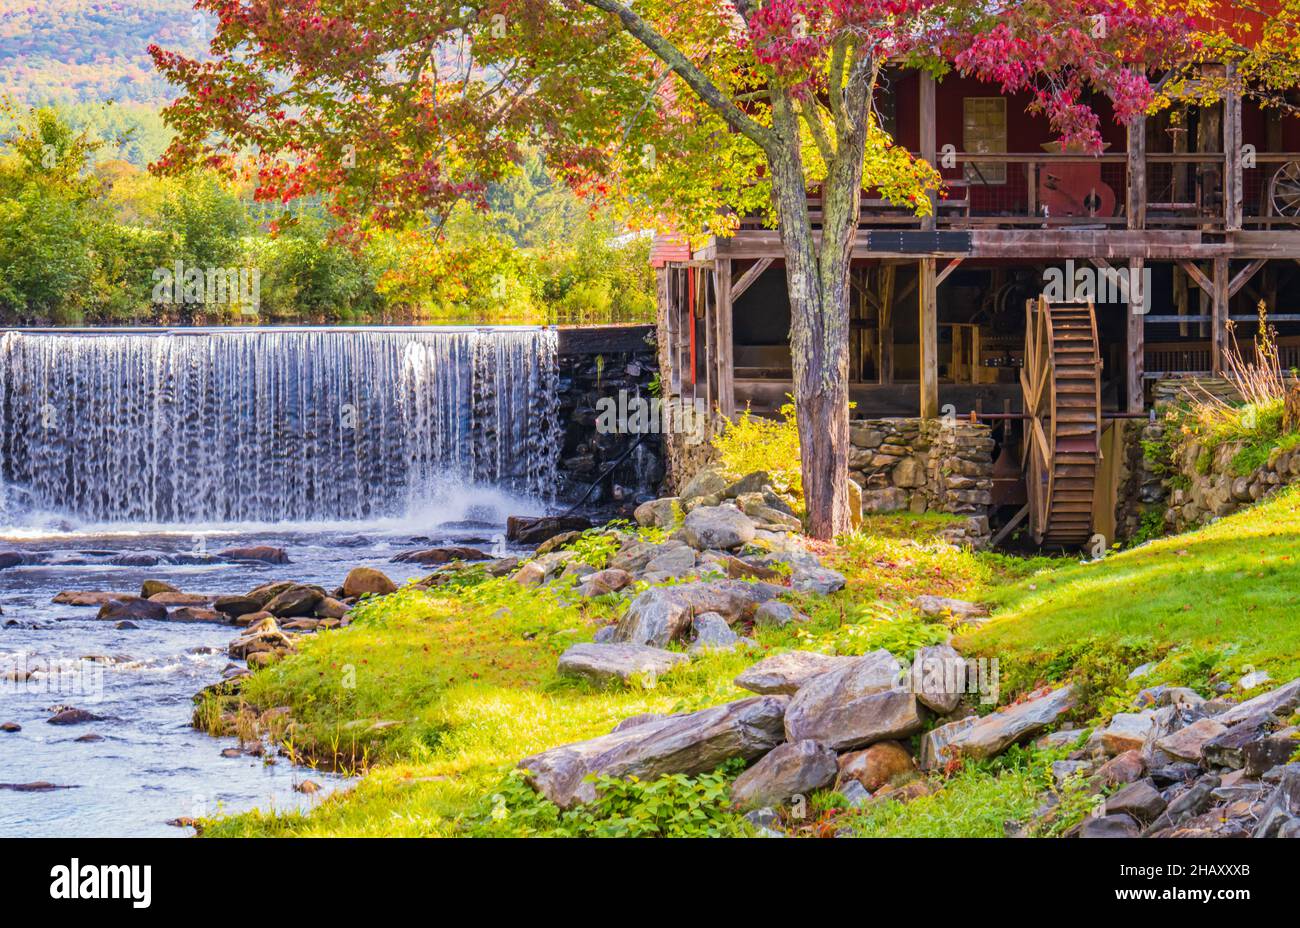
column 929, row 333
column 1232, row 171
column 929, row 141
column 1137, row 173
column 1219, row 327
column 1138, row 302
column 726, row 346
column 885, row 326
column 1181, row 298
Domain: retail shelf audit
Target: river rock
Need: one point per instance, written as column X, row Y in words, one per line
column 116, row 610
column 264, row 635
column 150, row 587
column 529, row 530
column 994, row 733
column 263, row 553
column 720, row 527
column 663, row 614
column 10, row 559
column 875, row 766
column 936, row 744
column 786, row 673
column 624, row 662
column 819, row 580
column 89, row 598
column 1127, row 731
column 234, row 606
column 791, row 769
column 181, row 599
column 855, row 705
column 363, row 581
column 776, row 614
column 1108, row 826
column 603, row 582
column 295, row 601
column 659, row 513
column 1141, row 800
column 71, row 716
column 426, row 556
column 673, row 560
column 690, row 743
column 331, row 608
column 10, row 727
column 1125, row 768
column 197, row 614
column 261, row 595
column 938, row 606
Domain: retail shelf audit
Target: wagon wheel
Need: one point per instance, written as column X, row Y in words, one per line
column 1284, row 190
column 1061, row 382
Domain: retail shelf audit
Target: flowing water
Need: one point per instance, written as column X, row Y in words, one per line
column 125, row 457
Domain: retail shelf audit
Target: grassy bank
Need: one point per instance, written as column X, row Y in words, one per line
column 440, row 694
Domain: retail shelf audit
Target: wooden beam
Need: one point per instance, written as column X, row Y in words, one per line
column 1137, row 173
column 1244, row 276
column 1232, row 171
column 1136, row 343
column 885, row 326
column 1219, row 327
column 929, row 138
column 929, row 332
column 726, row 342
column 948, row 269
column 752, row 273
column 1198, row 276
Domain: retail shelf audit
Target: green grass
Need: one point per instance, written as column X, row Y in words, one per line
column 1231, row 588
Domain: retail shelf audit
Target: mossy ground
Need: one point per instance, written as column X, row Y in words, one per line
column 469, row 674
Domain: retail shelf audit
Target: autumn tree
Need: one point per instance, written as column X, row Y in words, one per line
column 689, row 114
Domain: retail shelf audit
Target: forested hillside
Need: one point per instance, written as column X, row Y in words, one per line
column 79, row 51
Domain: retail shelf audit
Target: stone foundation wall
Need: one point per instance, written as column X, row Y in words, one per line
column 1201, row 497
column 921, row 466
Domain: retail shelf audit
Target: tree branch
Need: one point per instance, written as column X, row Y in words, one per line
column 704, row 88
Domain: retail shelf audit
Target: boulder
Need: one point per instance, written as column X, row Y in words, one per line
column 11, row 559
column 855, row 505
column 786, row 673
column 427, row 556
column 994, row 733
column 182, row 599
column 939, row 678
column 331, row 608
column 263, row 635
column 89, row 598
column 602, row 582
column 1141, row 800
column 150, row 587
column 706, row 482
column 875, row 766
column 236, row 605
column 673, row 560
column 1126, row 768
column 624, row 662
column 776, row 614
column 264, row 553
column 721, row 527
column 1108, row 826
column 791, row 769
column 936, row 744
column 820, row 580
column 712, row 633
column 1188, row 742
column 133, row 609
column 70, row 716
column 855, row 705
column 1127, row 731
column 363, row 581
column 689, row 743
column 261, row 595
column 888, row 499
column 756, row 506
column 1281, row 702
column 659, row 513
column 197, row 614
column 295, row 601
column 530, row 530
column 934, row 607
column 663, row 614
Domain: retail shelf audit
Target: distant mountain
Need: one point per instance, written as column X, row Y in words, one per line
column 83, row 51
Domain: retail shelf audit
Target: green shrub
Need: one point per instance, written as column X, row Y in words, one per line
column 751, row 443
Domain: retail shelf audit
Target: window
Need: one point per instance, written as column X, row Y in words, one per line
column 984, row 129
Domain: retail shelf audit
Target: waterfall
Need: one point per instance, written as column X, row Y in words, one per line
column 225, row 426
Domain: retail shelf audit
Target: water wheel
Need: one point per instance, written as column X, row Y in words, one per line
column 1061, row 380
column 1284, row 190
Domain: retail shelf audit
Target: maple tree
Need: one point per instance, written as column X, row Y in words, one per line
column 693, row 114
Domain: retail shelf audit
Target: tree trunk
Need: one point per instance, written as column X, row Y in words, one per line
column 817, row 280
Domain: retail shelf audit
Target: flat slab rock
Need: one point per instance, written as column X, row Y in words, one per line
column 786, row 673
column 625, row 662
column 689, row 743
column 663, row 614
column 994, row 733
column 858, row 704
